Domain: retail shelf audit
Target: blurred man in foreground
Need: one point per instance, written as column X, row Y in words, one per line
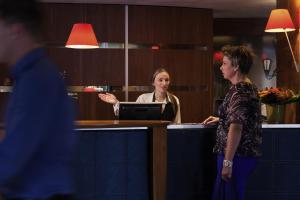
column 39, row 139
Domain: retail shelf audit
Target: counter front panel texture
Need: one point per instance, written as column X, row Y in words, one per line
column 114, row 165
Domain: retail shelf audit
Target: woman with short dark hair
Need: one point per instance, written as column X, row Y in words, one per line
column 238, row 141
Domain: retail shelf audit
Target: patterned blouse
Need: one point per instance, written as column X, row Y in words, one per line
column 241, row 105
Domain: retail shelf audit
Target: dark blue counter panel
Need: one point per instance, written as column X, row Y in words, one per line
column 278, row 174
column 191, row 167
column 113, row 165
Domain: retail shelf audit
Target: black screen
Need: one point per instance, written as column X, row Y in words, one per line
column 140, row 111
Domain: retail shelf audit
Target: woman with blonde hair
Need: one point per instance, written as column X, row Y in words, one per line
column 161, row 82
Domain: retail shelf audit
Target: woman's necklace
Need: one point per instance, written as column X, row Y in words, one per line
column 159, row 98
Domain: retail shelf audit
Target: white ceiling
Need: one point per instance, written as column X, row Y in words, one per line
column 222, row 8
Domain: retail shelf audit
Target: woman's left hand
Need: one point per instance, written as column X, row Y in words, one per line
column 211, row 120
column 226, row 173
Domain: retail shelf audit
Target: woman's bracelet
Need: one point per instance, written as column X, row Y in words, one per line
column 227, row 163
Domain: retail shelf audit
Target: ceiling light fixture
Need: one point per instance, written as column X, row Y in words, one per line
column 82, row 36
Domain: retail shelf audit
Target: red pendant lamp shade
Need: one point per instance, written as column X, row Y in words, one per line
column 82, row 36
column 280, row 21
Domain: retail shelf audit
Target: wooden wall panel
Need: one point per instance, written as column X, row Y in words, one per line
column 239, row 26
column 90, row 67
column 141, row 66
column 107, row 20
column 103, row 67
column 59, row 19
column 187, row 67
column 89, row 106
column 287, row 76
column 190, row 68
column 87, row 67
column 152, row 24
column 147, row 25
column 195, row 106
column 68, row 60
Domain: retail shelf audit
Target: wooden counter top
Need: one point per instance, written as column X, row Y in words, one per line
column 120, row 123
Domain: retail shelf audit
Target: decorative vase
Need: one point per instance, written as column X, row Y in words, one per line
column 275, row 114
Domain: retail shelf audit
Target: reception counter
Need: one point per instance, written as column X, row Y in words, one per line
column 115, row 162
column 156, row 166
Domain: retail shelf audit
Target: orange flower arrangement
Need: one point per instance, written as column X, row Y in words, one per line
column 278, row 96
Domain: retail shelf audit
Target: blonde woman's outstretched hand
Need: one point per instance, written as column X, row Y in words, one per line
column 108, row 98
column 211, row 120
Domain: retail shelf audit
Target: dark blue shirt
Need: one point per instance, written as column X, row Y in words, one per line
column 39, row 125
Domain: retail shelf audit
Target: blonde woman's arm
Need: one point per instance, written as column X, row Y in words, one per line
column 177, row 119
column 112, row 99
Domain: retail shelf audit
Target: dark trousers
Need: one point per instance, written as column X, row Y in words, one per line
column 234, row 188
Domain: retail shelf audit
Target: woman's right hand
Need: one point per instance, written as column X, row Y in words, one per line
column 108, row 98
column 211, row 120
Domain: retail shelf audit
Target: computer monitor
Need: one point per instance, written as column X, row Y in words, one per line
column 140, row 111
